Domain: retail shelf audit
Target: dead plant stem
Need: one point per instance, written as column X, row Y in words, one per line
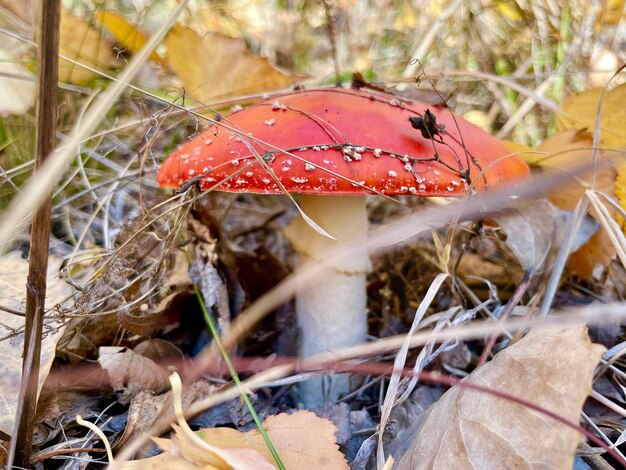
column 48, row 60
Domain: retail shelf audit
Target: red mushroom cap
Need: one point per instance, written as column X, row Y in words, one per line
column 344, row 142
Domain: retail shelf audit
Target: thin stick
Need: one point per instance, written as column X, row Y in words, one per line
column 48, row 59
column 332, row 37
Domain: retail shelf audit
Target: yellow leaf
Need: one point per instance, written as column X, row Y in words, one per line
column 301, row 439
column 612, row 11
column 81, row 42
column 578, row 111
column 126, row 35
column 216, row 66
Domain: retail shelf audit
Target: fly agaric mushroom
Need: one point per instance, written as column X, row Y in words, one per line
column 335, row 146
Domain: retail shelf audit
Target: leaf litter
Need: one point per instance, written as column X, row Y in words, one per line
column 149, row 307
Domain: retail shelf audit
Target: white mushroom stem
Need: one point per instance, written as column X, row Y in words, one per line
column 331, row 307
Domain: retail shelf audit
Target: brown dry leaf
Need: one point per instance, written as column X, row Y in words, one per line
column 83, row 43
column 13, row 274
column 145, row 408
column 127, row 35
column 536, row 229
column 129, row 372
column 217, row 66
column 301, row 439
column 552, row 368
column 567, row 150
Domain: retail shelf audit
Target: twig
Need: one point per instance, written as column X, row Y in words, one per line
column 332, row 37
column 48, row 59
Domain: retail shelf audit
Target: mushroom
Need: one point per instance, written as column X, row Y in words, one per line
column 334, row 147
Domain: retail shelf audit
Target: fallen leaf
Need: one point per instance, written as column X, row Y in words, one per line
column 301, row 439
column 17, row 95
column 129, row 372
column 217, row 66
column 552, row 368
column 127, row 35
column 566, row 151
column 83, row 43
column 146, row 407
column 578, row 111
column 535, row 230
column 22, row 9
column 13, row 274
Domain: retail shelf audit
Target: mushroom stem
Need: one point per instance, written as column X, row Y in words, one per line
column 331, row 308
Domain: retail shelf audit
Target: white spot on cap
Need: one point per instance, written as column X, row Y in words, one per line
column 205, row 169
column 285, row 168
column 377, row 152
column 235, row 162
column 359, row 149
column 412, row 190
column 303, row 149
column 240, row 181
column 316, row 148
column 309, row 167
column 249, row 174
column 404, row 189
column 277, row 105
column 300, row 180
column 270, row 122
column 236, row 108
column 408, row 167
column 192, row 172
column 437, row 172
column 392, row 174
column 422, row 187
column 455, row 183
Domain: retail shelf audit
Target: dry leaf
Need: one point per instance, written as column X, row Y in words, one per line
column 81, row 42
column 183, row 453
column 578, row 111
column 565, row 151
column 127, row 35
column 129, row 372
column 145, row 408
column 217, row 66
column 13, row 273
column 16, row 95
column 552, row 368
column 535, row 230
column 301, row 439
